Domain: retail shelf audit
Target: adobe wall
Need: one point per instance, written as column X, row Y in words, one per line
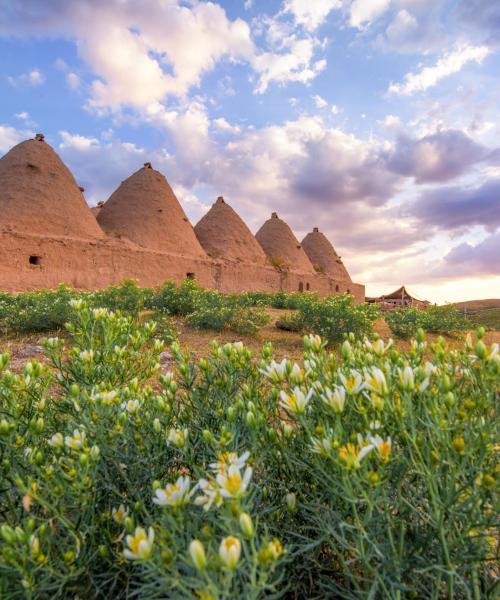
column 88, row 264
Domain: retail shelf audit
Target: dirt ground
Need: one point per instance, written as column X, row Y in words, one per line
column 286, row 343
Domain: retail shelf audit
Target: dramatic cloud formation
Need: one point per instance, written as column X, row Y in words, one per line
column 469, row 260
column 451, row 208
column 438, row 157
column 280, row 106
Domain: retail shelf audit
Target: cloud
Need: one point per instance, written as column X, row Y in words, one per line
column 319, row 101
column 296, row 63
column 450, row 63
column 482, row 15
column 222, row 125
column 33, row 78
column 10, row 136
column 437, row 157
column 456, row 208
column 73, row 80
column 364, row 11
column 467, row 259
column 310, row 14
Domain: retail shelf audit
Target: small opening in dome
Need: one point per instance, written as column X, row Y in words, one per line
column 190, row 276
column 348, row 291
column 301, row 287
column 308, row 287
column 336, row 288
column 35, row 260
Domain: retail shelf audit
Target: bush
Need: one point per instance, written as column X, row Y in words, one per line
column 335, row 316
column 126, row 297
column 370, row 475
column 45, row 310
column 404, row 322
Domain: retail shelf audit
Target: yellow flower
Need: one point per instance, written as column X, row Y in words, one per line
column 119, row 514
column 271, row 552
column 226, row 459
column 57, row 440
column 76, row 442
column 177, row 437
column 375, row 381
column 352, row 455
column 296, row 402
column 211, row 494
column 232, row 484
column 230, row 551
column 175, row 494
column 336, row 399
column 140, row 545
column 353, row 382
column 383, row 447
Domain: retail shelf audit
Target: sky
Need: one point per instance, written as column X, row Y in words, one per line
column 377, row 121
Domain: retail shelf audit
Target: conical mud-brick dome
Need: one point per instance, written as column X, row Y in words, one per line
column 39, row 195
column 323, row 256
column 144, row 209
column 223, row 234
column 281, row 245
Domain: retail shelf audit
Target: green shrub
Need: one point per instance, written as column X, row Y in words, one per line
column 247, row 321
column 368, row 475
column 336, row 316
column 45, row 310
column 126, row 297
column 291, row 322
column 404, row 322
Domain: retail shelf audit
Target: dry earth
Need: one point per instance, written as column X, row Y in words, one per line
column 286, row 343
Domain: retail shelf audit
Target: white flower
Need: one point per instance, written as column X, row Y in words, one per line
column 406, row 378
column 227, row 459
column 313, row 341
column 375, row 381
column 211, row 494
column 232, row 484
column 353, row 382
column 57, row 440
column 378, row 347
column 276, row 371
column 230, row 551
column 76, row 304
column 375, row 425
column 322, row 446
column 429, row 369
column 296, row 402
column 197, row 553
column 140, row 545
column 383, row 447
column 76, row 442
column 119, row 514
column 131, row 406
column 87, row 355
column 99, row 313
column 336, row 399
column 105, row 397
column 177, row 437
column 175, row 494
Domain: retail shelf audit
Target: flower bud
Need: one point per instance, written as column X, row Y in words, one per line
column 4, row 427
column 246, row 525
column 157, row 426
column 291, row 502
column 480, row 333
column 129, row 524
column 481, row 349
column 208, row 436
column 197, row 553
column 250, row 420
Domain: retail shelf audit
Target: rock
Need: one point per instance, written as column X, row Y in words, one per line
column 30, row 351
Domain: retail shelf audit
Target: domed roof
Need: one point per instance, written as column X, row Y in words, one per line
column 323, row 256
column 223, row 234
column 38, row 194
column 281, row 245
column 144, row 209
